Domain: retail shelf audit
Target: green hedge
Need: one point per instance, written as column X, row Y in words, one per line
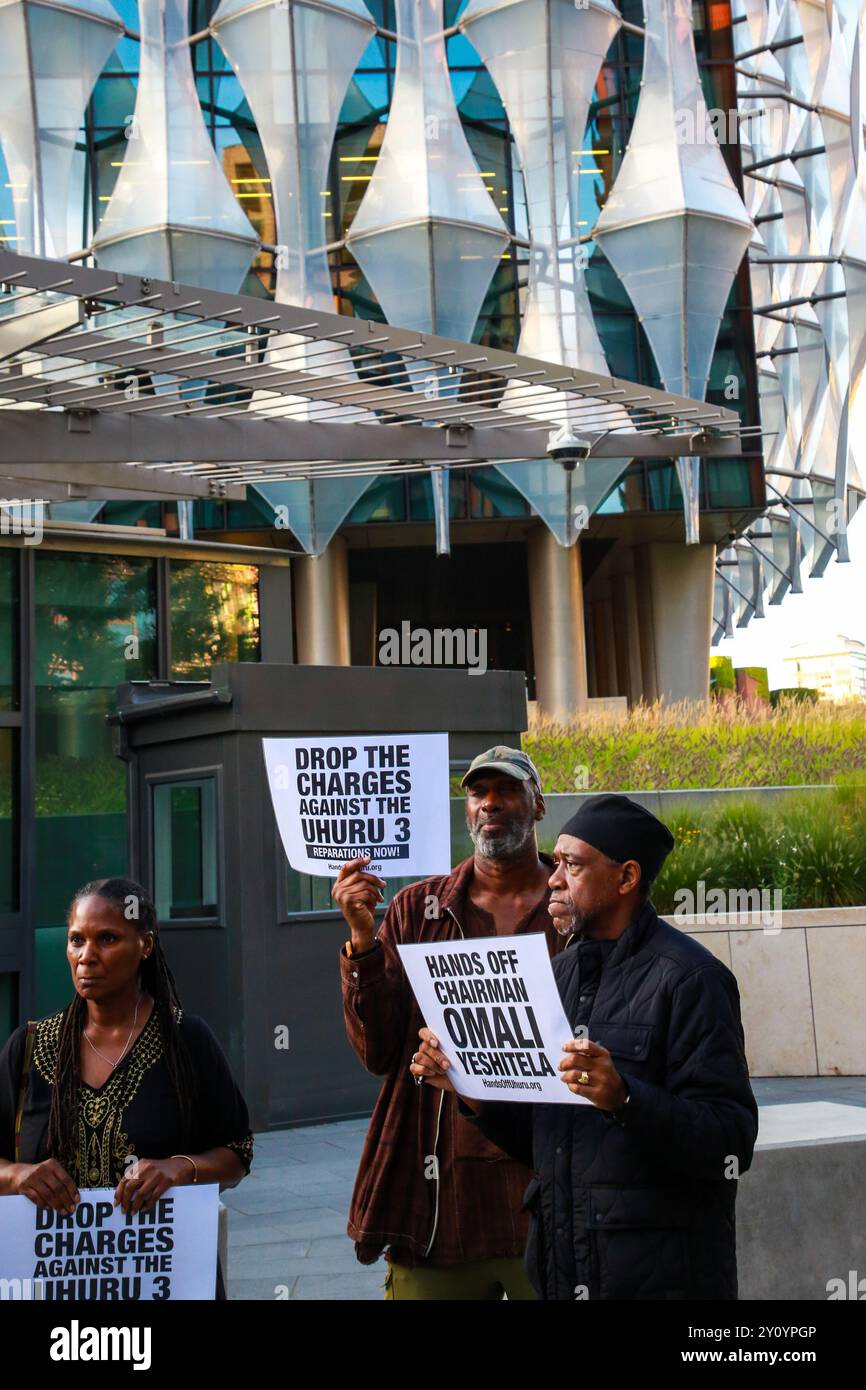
column 812, row 848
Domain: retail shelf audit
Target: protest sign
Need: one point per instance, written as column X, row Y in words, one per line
column 99, row 1253
column 384, row 795
column 493, row 1004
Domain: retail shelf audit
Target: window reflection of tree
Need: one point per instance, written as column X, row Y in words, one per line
column 214, row 616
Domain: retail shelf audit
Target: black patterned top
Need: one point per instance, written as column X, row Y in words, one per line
column 135, row 1111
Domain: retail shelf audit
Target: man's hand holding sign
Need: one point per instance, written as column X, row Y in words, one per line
column 647, row 1171
column 357, row 895
column 586, row 1068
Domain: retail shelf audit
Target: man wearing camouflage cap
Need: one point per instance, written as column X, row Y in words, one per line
column 438, row 1198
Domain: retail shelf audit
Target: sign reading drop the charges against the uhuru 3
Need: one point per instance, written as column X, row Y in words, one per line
column 493, row 1005
column 383, row 795
column 100, row 1254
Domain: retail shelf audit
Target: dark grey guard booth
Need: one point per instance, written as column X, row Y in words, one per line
column 254, row 947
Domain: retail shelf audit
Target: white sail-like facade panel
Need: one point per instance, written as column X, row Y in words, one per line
column 674, row 227
column 545, row 57
column 50, row 58
column 172, row 211
column 427, row 236
column 295, row 62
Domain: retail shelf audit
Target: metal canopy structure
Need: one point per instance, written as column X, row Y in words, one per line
column 117, row 385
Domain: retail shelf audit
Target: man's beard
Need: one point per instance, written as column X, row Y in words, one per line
column 577, row 923
column 505, row 844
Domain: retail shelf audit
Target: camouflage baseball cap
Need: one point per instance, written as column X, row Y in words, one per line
column 512, row 761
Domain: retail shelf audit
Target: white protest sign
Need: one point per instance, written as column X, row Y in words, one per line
column 100, row 1254
column 384, row 795
column 493, row 1005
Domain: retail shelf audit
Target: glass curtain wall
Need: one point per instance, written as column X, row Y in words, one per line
column 95, row 627
column 10, row 735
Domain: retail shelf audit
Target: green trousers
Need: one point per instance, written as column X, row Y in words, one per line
column 485, row 1280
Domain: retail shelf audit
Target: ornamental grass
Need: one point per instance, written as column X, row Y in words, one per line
column 687, row 745
column 811, row 847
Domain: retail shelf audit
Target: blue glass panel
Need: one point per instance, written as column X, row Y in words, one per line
column 492, row 495
column 229, row 94
column 665, row 494
column 373, row 55
column 385, row 500
column 373, row 87
column 460, row 84
column 126, row 55
column 728, row 482
column 7, row 220
column 461, row 53
column 481, row 100
column 113, row 102
column 627, row 494
column 128, row 11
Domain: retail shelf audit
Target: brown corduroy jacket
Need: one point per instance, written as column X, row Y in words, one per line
column 400, row 1192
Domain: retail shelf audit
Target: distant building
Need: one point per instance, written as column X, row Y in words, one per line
column 835, row 667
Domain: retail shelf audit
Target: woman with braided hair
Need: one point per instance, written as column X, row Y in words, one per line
column 121, row 1088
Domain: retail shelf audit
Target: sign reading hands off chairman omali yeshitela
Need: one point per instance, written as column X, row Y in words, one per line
column 382, row 795
column 494, row 1008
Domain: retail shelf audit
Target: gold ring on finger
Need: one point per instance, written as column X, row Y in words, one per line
column 583, row 1079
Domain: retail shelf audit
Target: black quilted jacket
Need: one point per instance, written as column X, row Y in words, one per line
column 641, row 1208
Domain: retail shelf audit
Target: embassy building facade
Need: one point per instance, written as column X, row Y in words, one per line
column 672, row 194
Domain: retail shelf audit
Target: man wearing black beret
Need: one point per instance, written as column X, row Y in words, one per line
column 634, row 1194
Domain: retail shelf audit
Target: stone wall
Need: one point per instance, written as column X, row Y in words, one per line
column 802, row 987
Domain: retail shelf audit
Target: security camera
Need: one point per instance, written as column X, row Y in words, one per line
column 566, row 448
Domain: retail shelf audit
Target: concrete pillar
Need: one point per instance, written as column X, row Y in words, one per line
column 558, row 638
column 627, row 636
column 675, row 606
column 321, row 586
column 591, row 663
column 603, row 629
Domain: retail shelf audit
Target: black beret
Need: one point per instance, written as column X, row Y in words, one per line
column 622, row 830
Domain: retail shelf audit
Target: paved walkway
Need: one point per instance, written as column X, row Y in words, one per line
column 287, row 1220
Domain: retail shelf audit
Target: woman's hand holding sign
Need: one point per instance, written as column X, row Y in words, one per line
column 356, row 895
column 587, row 1069
column 148, row 1179
column 47, row 1184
